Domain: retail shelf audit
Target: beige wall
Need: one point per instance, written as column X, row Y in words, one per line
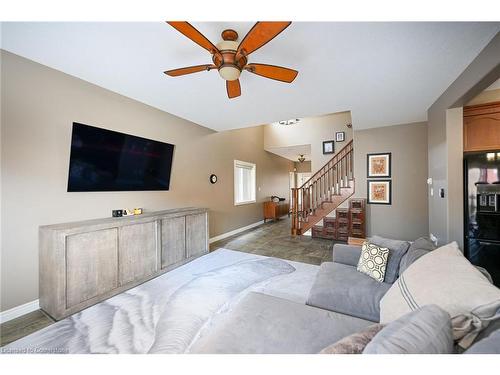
column 455, row 175
column 407, row 217
column 39, row 106
column 486, row 97
column 310, row 131
column 304, row 167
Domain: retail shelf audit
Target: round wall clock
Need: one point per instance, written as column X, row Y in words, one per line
column 213, row 178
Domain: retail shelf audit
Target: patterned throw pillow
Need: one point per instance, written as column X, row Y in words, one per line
column 373, row 261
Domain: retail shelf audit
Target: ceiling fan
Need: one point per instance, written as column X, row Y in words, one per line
column 230, row 57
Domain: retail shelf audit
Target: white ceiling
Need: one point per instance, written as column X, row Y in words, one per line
column 292, row 152
column 385, row 73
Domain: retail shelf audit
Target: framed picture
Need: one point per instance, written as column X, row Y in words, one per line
column 379, row 191
column 328, row 147
column 378, row 165
column 339, row 136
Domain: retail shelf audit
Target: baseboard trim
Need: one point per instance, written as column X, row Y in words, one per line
column 18, row 311
column 233, row 232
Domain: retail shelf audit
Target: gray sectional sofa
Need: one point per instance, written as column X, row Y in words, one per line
column 341, row 302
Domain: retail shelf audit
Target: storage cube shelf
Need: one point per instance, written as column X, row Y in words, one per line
column 348, row 222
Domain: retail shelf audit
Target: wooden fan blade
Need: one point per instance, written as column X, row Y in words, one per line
column 189, row 31
column 272, row 71
column 189, row 70
column 233, row 88
column 260, row 34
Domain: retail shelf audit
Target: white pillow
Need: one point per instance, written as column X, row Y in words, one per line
column 444, row 277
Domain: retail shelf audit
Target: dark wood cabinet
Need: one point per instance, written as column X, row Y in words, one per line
column 357, row 220
column 342, row 224
column 348, row 222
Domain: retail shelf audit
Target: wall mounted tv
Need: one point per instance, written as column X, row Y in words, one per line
column 104, row 160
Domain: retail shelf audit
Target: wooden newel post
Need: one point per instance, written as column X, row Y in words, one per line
column 295, row 211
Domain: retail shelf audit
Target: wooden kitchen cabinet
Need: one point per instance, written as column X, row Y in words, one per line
column 482, row 127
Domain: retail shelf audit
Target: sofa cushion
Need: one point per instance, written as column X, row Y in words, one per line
column 264, row 324
column 488, row 345
column 446, row 278
column 355, row 343
column 423, row 331
column 346, row 254
column 341, row 288
column 417, row 249
column 397, row 249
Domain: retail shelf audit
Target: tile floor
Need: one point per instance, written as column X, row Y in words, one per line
column 273, row 239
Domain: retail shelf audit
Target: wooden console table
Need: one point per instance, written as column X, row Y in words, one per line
column 355, row 241
column 83, row 263
column 274, row 210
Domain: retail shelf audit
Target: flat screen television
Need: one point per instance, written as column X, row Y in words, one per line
column 105, row 160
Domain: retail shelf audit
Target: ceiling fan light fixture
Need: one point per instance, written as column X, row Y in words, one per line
column 230, row 57
column 229, row 72
column 227, row 45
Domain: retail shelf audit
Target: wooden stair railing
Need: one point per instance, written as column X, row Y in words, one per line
column 329, row 187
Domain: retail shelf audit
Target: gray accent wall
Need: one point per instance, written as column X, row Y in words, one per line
column 39, row 105
column 407, row 217
column 445, row 151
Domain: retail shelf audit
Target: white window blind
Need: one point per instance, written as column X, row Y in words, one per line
column 244, row 182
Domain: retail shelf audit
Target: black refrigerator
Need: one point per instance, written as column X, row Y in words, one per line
column 482, row 211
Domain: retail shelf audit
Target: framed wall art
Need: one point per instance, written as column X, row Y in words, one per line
column 339, row 136
column 379, row 191
column 328, row 147
column 378, row 165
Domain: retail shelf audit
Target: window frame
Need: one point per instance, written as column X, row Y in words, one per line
column 253, row 167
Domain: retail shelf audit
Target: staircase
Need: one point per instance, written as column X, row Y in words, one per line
column 327, row 189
